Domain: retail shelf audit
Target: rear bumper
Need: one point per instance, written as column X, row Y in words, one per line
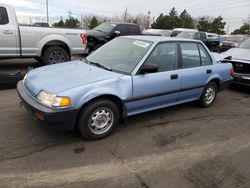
column 242, row 79
column 225, row 84
column 51, row 118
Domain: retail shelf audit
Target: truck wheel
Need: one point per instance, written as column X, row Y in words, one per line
column 98, row 119
column 55, row 54
column 39, row 59
column 209, row 95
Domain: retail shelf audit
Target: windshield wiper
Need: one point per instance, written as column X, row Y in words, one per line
column 97, row 64
column 100, row 65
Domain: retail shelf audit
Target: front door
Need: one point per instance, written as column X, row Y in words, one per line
column 160, row 89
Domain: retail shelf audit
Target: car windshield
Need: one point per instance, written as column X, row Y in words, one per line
column 120, row 54
column 186, row 34
column 245, row 44
column 105, row 27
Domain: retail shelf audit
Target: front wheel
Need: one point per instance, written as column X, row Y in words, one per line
column 209, row 95
column 98, row 119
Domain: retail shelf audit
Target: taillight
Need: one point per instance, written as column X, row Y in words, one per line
column 84, row 38
column 231, row 72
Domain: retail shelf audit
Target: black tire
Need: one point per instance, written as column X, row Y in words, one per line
column 39, row 59
column 92, row 115
column 55, row 54
column 205, row 100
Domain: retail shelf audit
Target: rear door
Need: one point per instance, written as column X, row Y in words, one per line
column 134, row 30
column 8, row 38
column 123, row 29
column 159, row 89
column 197, row 67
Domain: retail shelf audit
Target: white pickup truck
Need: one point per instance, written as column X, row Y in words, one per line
column 47, row 45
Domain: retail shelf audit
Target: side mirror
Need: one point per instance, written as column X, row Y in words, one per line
column 117, row 33
column 149, row 68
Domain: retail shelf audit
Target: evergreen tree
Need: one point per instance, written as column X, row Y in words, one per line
column 243, row 30
column 217, row 26
column 186, row 20
column 93, row 23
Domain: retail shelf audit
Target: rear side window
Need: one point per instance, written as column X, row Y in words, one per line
column 190, row 55
column 134, row 30
column 122, row 29
column 3, row 16
column 205, row 58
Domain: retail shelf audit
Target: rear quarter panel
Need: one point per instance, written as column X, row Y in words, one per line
column 34, row 38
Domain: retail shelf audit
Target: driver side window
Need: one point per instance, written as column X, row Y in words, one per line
column 165, row 56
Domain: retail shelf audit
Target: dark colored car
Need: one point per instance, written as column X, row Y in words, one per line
column 108, row 31
column 211, row 42
column 41, row 24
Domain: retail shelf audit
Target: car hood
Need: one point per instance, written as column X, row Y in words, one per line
column 95, row 33
column 64, row 76
column 238, row 54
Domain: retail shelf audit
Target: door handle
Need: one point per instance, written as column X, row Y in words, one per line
column 209, row 71
column 174, row 76
column 8, row 32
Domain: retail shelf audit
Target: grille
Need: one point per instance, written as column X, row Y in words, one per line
column 241, row 67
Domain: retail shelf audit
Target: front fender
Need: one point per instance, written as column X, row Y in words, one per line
column 120, row 87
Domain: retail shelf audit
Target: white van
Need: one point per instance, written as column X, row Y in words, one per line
column 176, row 31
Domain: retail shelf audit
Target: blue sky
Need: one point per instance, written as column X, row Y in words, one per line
column 234, row 11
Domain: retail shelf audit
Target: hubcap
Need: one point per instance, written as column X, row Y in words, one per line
column 209, row 94
column 101, row 121
column 56, row 57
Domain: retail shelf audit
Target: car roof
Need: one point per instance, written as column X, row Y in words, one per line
column 121, row 23
column 158, row 38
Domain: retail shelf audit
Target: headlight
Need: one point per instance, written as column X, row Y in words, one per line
column 52, row 100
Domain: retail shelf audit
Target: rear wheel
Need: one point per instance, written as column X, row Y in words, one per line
column 209, row 95
column 98, row 119
column 54, row 55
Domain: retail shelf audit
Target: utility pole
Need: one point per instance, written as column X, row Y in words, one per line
column 47, row 8
column 125, row 15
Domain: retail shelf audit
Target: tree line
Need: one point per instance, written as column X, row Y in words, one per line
column 163, row 21
column 185, row 20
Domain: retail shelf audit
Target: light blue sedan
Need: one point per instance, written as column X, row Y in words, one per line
column 127, row 76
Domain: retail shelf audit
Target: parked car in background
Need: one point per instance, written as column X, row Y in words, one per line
column 211, row 42
column 160, row 32
column 231, row 42
column 240, row 58
column 41, row 24
column 177, row 31
column 108, row 31
column 127, row 76
column 212, row 35
column 47, row 45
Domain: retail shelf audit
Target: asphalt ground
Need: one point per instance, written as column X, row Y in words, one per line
column 179, row 147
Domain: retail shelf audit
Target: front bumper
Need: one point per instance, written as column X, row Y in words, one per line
column 242, row 79
column 63, row 119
